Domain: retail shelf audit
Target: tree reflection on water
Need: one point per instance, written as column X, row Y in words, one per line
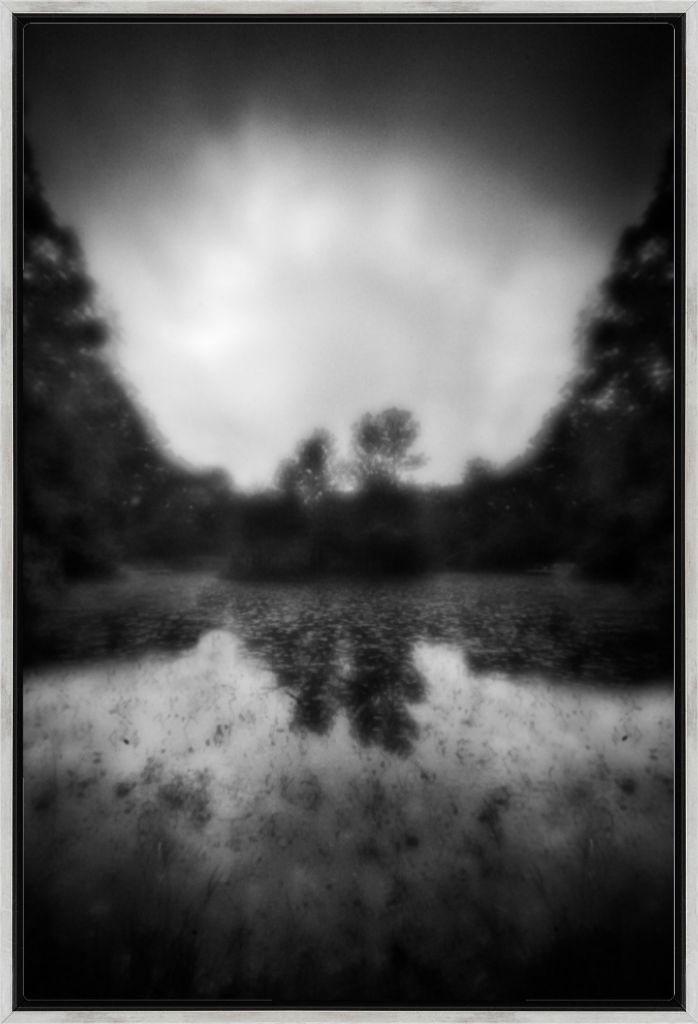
column 345, row 646
column 329, row 665
column 364, row 778
column 381, row 682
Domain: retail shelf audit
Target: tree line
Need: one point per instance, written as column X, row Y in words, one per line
column 97, row 485
column 597, row 485
column 327, row 514
column 595, row 488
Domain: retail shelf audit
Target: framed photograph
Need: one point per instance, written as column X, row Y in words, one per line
column 348, row 511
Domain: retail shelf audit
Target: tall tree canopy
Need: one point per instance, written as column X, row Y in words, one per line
column 311, row 472
column 73, row 408
column 597, row 485
column 621, row 409
column 96, row 484
column 628, row 346
column 382, row 446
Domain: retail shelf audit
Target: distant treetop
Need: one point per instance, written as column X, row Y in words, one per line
column 382, row 447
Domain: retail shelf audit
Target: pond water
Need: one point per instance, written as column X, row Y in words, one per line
column 452, row 790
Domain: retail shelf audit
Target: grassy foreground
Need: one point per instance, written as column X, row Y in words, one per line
column 182, row 842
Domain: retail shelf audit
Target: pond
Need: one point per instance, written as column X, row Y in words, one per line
column 455, row 790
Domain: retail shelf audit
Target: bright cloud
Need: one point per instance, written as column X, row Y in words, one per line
column 306, row 278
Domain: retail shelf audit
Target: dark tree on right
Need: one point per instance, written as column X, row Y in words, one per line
column 596, row 487
column 623, row 402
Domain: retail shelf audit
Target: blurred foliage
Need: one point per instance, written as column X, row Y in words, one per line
column 97, row 486
column 621, row 410
column 382, row 448
column 312, row 472
column 596, row 487
column 594, row 490
column 313, row 524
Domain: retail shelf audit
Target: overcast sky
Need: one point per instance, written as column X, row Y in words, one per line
column 294, row 223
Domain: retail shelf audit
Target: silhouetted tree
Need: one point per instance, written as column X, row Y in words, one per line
column 623, row 406
column 96, row 484
column 628, row 346
column 596, row 486
column 311, row 473
column 70, row 403
column 477, row 472
column 382, row 447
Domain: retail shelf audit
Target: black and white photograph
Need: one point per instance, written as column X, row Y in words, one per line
column 348, row 467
